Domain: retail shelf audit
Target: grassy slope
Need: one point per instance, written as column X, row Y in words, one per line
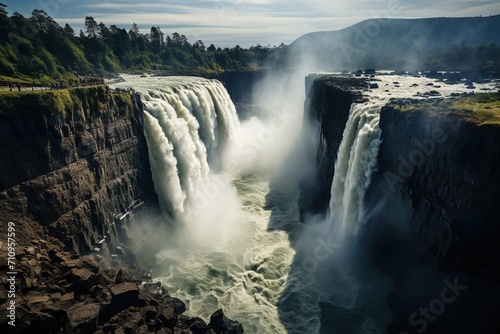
column 481, row 108
column 62, row 101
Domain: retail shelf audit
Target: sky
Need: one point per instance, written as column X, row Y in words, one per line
column 227, row 23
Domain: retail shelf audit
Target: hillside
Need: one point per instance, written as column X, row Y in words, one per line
column 38, row 50
column 470, row 44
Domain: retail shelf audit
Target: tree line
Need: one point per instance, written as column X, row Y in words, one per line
column 38, row 49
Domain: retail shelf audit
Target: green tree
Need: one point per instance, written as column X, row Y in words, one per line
column 3, row 12
column 91, row 26
column 43, row 21
column 156, row 39
column 134, row 31
column 104, row 32
column 69, row 31
column 199, row 45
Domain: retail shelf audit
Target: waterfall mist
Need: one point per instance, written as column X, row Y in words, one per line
column 230, row 189
column 211, row 176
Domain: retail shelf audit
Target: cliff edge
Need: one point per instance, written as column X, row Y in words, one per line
column 71, row 160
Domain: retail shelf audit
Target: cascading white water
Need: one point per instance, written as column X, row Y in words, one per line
column 187, row 122
column 221, row 254
column 356, row 161
column 238, row 255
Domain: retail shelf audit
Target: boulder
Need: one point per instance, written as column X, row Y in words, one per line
column 84, row 316
column 198, row 326
column 168, row 317
column 221, row 324
column 123, row 276
column 177, row 304
column 123, row 296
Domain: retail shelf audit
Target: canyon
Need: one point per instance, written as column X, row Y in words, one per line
column 429, row 210
column 77, row 180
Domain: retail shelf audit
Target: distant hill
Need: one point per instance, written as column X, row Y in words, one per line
column 428, row 43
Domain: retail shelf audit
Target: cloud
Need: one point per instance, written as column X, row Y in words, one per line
column 248, row 22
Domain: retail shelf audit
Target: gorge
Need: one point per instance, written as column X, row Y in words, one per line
column 387, row 197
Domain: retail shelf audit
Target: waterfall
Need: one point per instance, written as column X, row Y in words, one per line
column 356, row 161
column 188, row 122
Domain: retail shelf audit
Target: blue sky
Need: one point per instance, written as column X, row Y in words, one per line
column 245, row 22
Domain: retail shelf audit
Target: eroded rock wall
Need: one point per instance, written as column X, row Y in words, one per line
column 327, row 106
column 431, row 209
column 73, row 171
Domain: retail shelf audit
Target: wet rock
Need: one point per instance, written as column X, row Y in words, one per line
column 221, row 324
column 124, row 295
column 198, row 326
column 123, row 276
column 175, row 303
column 150, row 312
column 168, row 317
column 154, row 288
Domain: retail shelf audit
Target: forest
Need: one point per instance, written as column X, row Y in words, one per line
column 37, row 50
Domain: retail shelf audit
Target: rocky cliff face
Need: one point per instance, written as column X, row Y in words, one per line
column 432, row 208
column 75, row 176
column 72, row 170
column 240, row 85
column 327, row 106
column 444, row 168
column 435, row 215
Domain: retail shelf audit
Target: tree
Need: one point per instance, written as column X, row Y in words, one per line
column 156, row 39
column 91, row 26
column 199, row 45
column 113, row 29
column 211, row 48
column 176, row 38
column 134, row 30
column 69, row 31
column 104, row 32
column 184, row 41
column 180, row 39
column 43, row 21
column 3, row 12
column 4, row 22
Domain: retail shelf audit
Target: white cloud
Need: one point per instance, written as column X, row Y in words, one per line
column 248, row 22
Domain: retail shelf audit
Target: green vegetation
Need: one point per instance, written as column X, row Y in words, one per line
column 481, row 108
column 63, row 101
column 37, row 50
column 483, row 59
column 30, row 102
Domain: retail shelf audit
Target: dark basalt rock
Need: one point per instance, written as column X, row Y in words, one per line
column 327, row 106
column 84, row 316
column 65, row 177
column 432, row 206
column 221, row 324
column 104, row 305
